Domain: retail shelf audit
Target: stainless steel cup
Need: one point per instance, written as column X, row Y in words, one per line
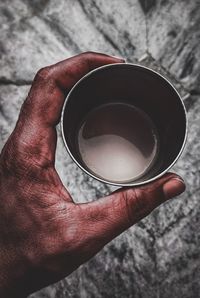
column 130, row 84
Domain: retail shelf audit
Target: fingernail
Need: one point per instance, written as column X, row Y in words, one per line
column 119, row 58
column 173, row 187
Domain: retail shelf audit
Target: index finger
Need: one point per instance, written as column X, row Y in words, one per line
column 51, row 84
column 35, row 131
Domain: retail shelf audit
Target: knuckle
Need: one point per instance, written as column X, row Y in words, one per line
column 44, row 73
column 139, row 199
column 89, row 54
column 88, row 57
column 136, row 205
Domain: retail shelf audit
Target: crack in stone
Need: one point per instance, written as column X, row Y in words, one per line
column 190, row 102
column 37, row 5
column 128, row 48
column 147, row 5
column 61, row 34
column 189, row 65
column 17, row 82
column 105, row 35
column 149, row 231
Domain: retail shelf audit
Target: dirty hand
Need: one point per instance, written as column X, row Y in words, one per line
column 44, row 235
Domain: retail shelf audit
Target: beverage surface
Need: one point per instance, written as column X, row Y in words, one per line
column 117, row 142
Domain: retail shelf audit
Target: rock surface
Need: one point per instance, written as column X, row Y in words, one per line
column 160, row 256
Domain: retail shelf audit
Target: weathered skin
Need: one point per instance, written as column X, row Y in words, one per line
column 44, row 235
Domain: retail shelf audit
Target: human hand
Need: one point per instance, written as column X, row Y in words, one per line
column 44, row 235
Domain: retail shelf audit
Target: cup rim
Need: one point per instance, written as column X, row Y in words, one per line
column 118, row 183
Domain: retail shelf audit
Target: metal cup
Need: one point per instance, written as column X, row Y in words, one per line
column 135, row 85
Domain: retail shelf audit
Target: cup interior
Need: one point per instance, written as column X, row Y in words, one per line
column 134, row 85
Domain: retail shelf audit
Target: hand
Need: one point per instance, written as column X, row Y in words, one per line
column 44, row 235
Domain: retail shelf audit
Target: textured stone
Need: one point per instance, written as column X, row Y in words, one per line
column 173, row 33
column 27, row 43
column 178, row 234
column 38, row 33
column 117, row 28
column 158, row 257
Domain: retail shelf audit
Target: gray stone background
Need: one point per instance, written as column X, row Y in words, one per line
column 160, row 256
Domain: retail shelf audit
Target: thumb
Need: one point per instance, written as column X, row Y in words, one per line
column 107, row 217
